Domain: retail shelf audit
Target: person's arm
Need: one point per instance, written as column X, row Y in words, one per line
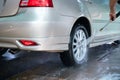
column 112, row 6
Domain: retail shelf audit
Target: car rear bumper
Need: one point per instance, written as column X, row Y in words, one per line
column 43, row 44
column 48, row 29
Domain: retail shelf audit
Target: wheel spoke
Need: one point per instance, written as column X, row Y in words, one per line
column 75, row 50
column 81, row 35
column 78, row 33
column 76, row 37
column 74, row 44
column 77, row 53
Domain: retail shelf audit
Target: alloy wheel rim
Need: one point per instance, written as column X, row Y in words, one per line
column 79, row 45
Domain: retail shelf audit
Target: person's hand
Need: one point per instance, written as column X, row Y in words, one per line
column 112, row 16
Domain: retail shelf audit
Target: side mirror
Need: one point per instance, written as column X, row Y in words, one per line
column 118, row 2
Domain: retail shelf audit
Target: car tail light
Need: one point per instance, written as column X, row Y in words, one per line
column 36, row 3
column 28, row 42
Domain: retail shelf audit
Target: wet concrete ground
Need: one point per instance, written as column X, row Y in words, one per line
column 103, row 64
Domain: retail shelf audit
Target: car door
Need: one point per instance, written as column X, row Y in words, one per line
column 100, row 15
column 8, row 7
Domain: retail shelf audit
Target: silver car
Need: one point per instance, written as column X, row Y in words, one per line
column 65, row 26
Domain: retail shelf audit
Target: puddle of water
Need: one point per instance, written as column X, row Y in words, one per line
column 110, row 76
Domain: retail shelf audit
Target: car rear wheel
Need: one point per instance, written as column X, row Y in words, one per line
column 2, row 51
column 78, row 48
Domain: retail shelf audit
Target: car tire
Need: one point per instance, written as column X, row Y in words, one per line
column 78, row 48
column 2, row 51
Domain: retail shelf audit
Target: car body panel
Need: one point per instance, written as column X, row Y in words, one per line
column 38, row 28
column 63, row 7
column 8, row 7
column 15, row 26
